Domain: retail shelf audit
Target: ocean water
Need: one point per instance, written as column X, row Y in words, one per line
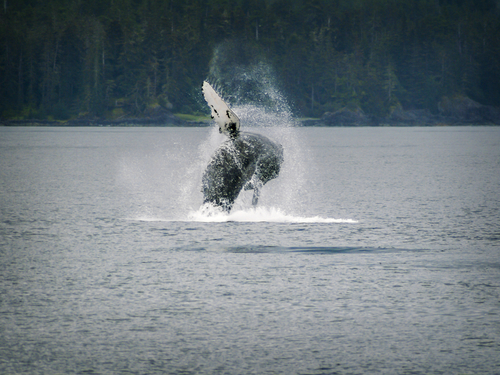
column 377, row 250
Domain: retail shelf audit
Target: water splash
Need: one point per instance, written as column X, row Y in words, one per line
column 241, row 75
column 248, row 84
column 190, row 189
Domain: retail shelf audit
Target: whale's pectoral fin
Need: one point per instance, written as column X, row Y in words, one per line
column 248, row 186
column 255, row 197
column 227, row 120
column 256, row 184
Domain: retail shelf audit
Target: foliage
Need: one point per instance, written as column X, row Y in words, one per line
column 69, row 58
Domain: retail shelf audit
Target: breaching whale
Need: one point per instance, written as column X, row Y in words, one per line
column 245, row 161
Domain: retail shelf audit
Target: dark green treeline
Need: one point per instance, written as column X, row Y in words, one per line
column 62, row 59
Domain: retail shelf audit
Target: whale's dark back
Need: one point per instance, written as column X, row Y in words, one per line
column 235, row 162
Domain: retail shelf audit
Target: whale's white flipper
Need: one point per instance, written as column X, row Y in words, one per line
column 227, row 120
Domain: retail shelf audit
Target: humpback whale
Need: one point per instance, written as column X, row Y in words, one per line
column 245, row 161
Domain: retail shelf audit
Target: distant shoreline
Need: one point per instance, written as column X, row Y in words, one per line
column 457, row 111
column 129, row 122
column 145, row 122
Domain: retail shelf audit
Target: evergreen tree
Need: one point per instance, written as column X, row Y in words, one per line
column 67, row 58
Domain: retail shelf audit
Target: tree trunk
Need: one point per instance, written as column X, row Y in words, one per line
column 20, row 88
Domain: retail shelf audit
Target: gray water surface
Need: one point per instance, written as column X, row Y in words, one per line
column 375, row 251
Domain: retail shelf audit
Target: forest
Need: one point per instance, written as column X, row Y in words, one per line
column 69, row 59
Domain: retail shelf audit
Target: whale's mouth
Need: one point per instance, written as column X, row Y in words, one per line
column 209, row 213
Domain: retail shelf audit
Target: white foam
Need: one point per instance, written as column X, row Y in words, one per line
column 254, row 215
column 247, row 216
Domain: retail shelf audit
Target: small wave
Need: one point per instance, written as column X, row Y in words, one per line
column 260, row 214
column 305, row 249
column 272, row 249
column 149, row 219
